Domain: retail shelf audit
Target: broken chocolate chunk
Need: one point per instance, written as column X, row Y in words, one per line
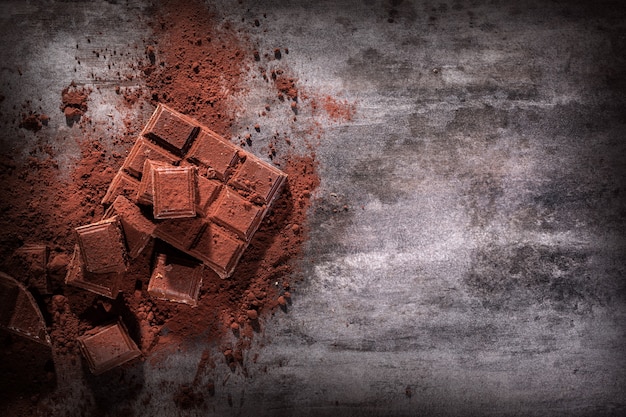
column 106, row 347
column 102, row 246
column 174, row 191
column 145, row 191
column 19, row 312
column 34, row 259
column 171, row 129
column 106, row 284
column 137, row 228
column 176, row 279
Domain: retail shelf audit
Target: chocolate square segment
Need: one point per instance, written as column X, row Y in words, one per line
column 217, row 250
column 174, row 192
column 34, row 258
column 207, row 192
column 122, row 184
column 145, row 191
column 171, row 129
column 236, row 213
column 258, row 178
column 106, row 284
column 107, row 347
column 176, row 279
column 138, row 229
column 102, row 246
column 180, row 233
column 142, row 150
column 213, row 152
column 19, row 312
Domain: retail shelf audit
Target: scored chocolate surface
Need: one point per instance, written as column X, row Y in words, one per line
column 142, row 150
column 207, row 198
column 102, row 246
column 122, row 184
column 145, row 193
column 174, row 190
column 171, row 129
column 107, row 347
column 176, row 279
column 212, row 152
column 106, row 284
column 236, row 213
column 138, row 229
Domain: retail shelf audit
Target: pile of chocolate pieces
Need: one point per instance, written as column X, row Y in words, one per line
column 187, row 187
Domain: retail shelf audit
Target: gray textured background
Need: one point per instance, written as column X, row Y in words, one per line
column 480, row 264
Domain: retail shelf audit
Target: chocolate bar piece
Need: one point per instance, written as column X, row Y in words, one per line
column 236, row 213
column 107, row 347
column 174, row 192
column 207, row 192
column 19, row 312
column 145, row 192
column 176, row 280
column 102, row 246
column 258, row 178
column 217, row 250
column 106, row 284
column 122, row 184
column 213, row 152
column 142, row 150
column 34, row 258
column 138, row 229
column 180, row 233
column 171, row 129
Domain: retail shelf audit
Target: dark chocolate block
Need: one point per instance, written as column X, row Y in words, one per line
column 34, row 259
column 102, row 246
column 142, row 150
column 174, row 192
column 258, row 178
column 106, row 284
column 213, row 152
column 145, row 193
column 122, row 184
column 217, row 250
column 176, row 280
column 207, row 192
column 171, row 129
column 236, row 213
column 107, row 347
column 180, row 233
column 138, row 229
column 19, row 312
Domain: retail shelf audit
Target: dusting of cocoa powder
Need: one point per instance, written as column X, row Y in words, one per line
column 34, row 121
column 195, row 67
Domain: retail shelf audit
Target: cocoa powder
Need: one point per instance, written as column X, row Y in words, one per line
column 195, row 67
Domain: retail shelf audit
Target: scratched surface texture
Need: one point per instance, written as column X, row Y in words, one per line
column 479, row 268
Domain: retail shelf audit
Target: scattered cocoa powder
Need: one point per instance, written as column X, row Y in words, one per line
column 39, row 205
column 34, row 122
column 201, row 84
column 287, row 86
column 338, row 110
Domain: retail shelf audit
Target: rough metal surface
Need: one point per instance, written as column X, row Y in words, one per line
column 479, row 268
